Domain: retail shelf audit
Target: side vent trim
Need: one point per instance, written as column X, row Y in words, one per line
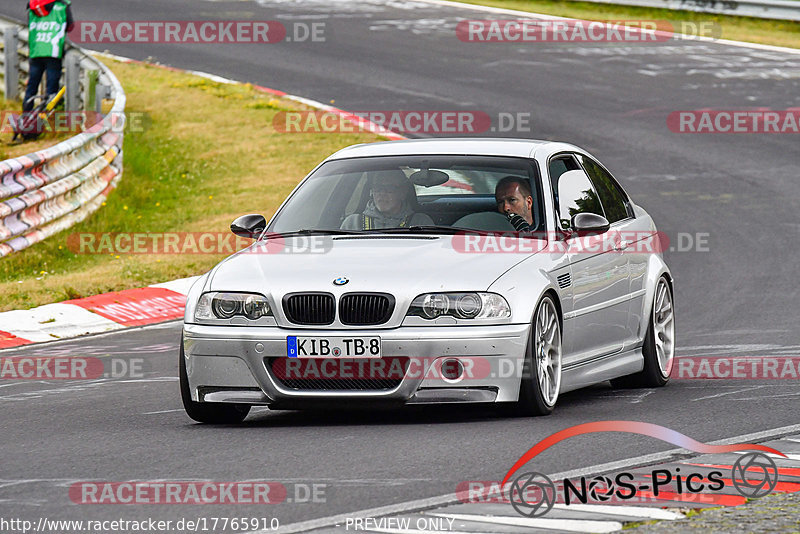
column 564, row 280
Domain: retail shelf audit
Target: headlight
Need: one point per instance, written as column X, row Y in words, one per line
column 228, row 305
column 460, row 306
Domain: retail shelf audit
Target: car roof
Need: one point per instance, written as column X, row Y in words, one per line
column 478, row 146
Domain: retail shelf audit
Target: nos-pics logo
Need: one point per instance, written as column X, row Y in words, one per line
column 533, row 494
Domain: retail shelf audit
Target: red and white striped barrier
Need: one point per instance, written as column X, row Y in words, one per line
column 93, row 315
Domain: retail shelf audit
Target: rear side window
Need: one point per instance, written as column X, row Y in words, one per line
column 611, row 195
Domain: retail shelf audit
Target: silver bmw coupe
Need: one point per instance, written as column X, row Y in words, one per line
column 501, row 271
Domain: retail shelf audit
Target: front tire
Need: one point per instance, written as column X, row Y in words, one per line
column 659, row 343
column 208, row 412
column 541, row 373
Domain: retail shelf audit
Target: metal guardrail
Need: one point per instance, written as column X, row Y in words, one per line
column 50, row 190
column 764, row 9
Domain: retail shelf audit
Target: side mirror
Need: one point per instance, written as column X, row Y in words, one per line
column 590, row 223
column 250, row 226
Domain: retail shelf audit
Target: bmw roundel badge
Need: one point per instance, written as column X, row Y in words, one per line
column 340, row 281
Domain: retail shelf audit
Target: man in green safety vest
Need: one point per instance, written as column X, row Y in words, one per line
column 48, row 23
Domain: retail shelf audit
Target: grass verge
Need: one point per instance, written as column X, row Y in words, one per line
column 764, row 31
column 205, row 154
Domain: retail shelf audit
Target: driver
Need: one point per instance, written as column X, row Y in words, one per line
column 515, row 201
column 390, row 205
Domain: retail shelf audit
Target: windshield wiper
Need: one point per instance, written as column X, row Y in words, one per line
column 449, row 230
column 312, row 231
column 426, row 229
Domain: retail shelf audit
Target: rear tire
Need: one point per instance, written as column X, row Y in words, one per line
column 541, row 373
column 208, row 412
column 659, row 343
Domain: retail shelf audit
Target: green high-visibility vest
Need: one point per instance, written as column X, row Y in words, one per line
column 46, row 34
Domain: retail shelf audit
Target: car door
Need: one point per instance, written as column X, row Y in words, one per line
column 636, row 239
column 598, row 322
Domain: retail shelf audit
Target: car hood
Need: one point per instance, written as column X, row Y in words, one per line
column 401, row 263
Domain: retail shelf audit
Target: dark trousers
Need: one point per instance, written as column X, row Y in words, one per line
column 40, row 65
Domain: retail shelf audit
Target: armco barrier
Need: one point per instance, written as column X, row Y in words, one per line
column 47, row 191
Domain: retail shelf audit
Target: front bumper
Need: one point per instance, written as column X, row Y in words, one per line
column 230, row 364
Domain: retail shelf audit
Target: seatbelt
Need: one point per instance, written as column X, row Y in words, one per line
column 366, row 221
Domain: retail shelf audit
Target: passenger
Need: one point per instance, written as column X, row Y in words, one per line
column 515, row 200
column 391, row 205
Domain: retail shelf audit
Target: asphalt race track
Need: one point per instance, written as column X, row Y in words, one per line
column 736, row 297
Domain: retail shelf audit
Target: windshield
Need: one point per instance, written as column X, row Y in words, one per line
column 433, row 194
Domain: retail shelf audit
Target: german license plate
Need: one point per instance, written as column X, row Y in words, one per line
column 333, row 347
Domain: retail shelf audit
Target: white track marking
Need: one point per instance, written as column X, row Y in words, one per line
column 636, row 398
column 77, row 386
column 634, row 512
column 100, row 351
column 762, row 435
column 64, row 320
column 54, row 321
column 77, row 340
column 795, row 457
column 771, row 396
column 782, row 383
column 723, row 394
column 567, row 525
column 14, row 384
column 142, row 380
column 181, row 285
column 415, row 531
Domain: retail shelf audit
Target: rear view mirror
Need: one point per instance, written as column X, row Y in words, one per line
column 250, row 226
column 590, row 223
column 429, row 178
